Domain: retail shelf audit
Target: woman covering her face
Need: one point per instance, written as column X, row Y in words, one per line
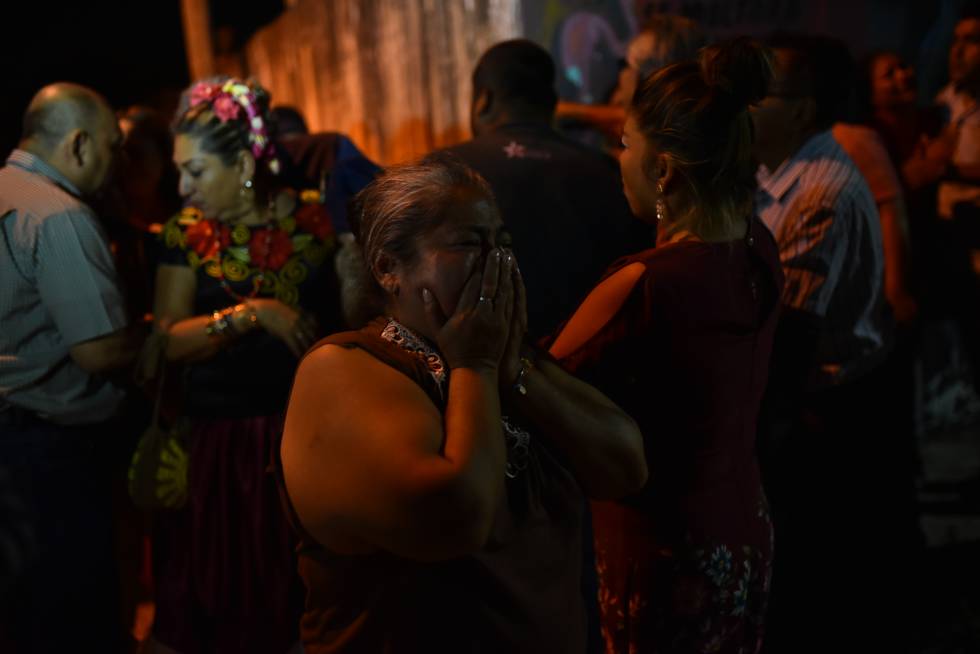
column 435, row 464
column 680, row 337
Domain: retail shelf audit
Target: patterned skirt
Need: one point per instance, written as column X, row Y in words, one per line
column 225, row 570
column 658, row 598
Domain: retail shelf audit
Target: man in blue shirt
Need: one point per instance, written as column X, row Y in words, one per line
column 831, row 459
column 63, row 330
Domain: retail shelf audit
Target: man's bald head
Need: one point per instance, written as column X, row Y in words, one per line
column 73, row 129
column 58, row 109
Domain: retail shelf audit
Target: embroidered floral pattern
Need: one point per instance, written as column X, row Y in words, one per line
column 715, row 600
column 276, row 257
column 720, row 565
column 397, row 333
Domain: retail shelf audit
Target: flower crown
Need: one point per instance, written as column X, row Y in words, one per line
column 227, row 101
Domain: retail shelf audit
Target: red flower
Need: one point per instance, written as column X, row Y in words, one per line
column 315, row 219
column 225, row 108
column 270, row 251
column 224, row 236
column 203, row 238
column 203, row 92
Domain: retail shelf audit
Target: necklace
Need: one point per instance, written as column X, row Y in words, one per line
column 518, row 440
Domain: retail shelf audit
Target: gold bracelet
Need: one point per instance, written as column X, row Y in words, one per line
column 218, row 325
column 251, row 317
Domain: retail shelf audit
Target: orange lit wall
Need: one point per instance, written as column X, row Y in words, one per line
column 394, row 75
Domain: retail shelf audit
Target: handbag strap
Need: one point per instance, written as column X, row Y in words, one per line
column 152, row 364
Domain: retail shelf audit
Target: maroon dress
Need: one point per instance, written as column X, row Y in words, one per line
column 684, row 565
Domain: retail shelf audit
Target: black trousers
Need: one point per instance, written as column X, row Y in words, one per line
column 841, row 484
column 65, row 598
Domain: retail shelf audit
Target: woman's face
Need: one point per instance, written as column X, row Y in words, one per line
column 892, row 82
column 640, row 190
column 447, row 257
column 206, row 182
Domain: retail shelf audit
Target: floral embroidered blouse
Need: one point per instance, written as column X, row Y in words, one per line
column 290, row 260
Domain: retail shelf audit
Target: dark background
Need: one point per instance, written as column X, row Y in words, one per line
column 132, row 52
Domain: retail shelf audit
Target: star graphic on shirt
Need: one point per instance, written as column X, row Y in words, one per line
column 514, row 149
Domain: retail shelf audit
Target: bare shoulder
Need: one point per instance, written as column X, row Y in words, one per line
column 346, row 403
column 598, row 308
column 350, row 371
column 353, row 429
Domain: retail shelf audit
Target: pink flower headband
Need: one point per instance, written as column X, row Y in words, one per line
column 227, row 101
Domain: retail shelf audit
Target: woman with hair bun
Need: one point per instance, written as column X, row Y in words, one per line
column 245, row 286
column 680, row 337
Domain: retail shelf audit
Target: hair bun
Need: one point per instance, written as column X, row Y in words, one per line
column 740, row 68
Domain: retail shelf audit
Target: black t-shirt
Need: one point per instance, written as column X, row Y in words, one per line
column 564, row 206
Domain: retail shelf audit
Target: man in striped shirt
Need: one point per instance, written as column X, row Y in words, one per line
column 820, row 442
column 62, row 330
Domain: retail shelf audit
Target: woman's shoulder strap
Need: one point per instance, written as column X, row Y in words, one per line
column 369, row 340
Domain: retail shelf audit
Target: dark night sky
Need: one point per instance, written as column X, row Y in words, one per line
column 130, row 57
column 100, row 44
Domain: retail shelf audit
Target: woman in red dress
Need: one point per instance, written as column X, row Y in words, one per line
column 680, row 337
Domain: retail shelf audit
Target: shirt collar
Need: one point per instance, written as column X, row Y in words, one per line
column 34, row 164
column 524, row 126
column 777, row 184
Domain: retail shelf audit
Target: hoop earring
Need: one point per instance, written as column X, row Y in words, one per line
column 661, row 205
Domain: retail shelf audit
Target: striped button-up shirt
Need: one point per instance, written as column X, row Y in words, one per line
column 825, row 221
column 58, row 288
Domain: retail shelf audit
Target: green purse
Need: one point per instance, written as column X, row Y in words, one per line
column 159, row 467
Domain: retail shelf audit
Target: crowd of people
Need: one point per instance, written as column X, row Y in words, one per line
column 515, row 396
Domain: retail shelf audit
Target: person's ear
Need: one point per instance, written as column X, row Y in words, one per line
column 659, row 169
column 78, row 144
column 482, row 110
column 246, row 169
column 386, row 272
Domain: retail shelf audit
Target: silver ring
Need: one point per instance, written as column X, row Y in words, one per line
column 484, row 298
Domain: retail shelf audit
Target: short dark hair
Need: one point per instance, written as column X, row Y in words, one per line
column 149, row 132
column 822, row 68
column 288, row 120
column 864, row 82
column 696, row 113
column 519, row 72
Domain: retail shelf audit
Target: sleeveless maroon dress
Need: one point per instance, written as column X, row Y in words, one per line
column 521, row 593
column 684, row 565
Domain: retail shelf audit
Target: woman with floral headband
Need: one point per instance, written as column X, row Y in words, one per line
column 244, row 289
